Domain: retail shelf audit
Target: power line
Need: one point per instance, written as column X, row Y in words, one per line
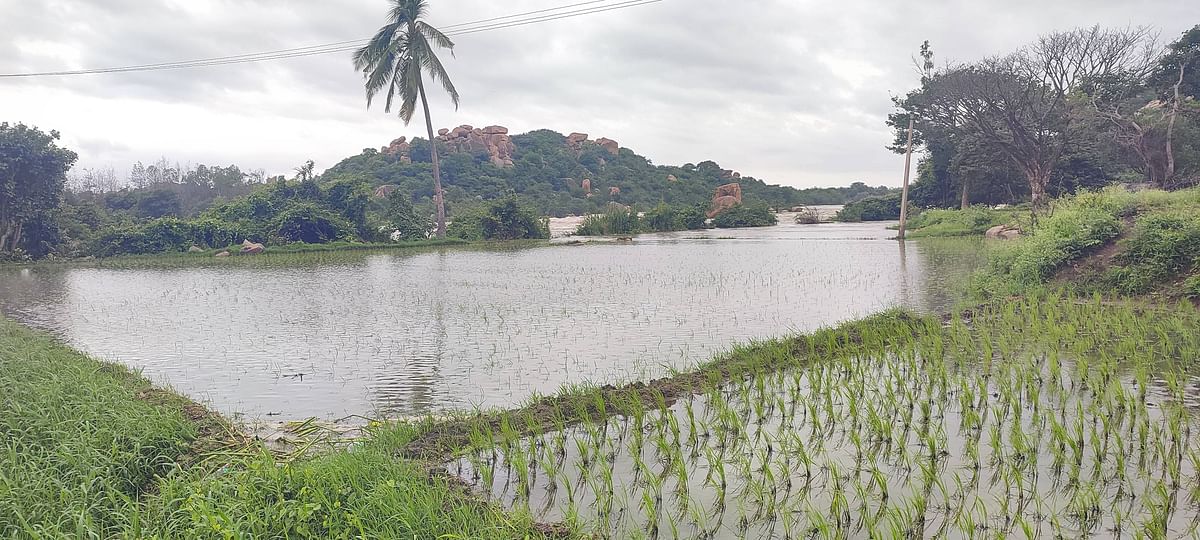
column 460, row 29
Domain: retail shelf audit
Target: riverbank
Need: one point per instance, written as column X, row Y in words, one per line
column 92, row 449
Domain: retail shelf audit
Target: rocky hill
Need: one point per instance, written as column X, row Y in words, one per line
column 560, row 174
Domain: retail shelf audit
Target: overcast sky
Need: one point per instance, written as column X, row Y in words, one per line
column 793, row 92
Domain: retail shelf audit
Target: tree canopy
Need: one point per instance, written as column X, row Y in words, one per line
column 33, row 173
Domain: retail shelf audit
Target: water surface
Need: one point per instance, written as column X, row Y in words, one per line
column 406, row 333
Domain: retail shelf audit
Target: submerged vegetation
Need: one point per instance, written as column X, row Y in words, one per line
column 1018, row 419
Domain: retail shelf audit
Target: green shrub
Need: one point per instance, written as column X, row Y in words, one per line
column 881, row 208
column 664, row 217
column 1191, row 287
column 311, row 224
column 212, row 233
column 502, row 219
column 973, row 221
column 401, row 217
column 615, row 221
column 166, row 234
column 1161, row 246
column 744, row 215
column 1075, row 226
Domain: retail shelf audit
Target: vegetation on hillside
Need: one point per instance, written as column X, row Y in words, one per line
column 549, row 176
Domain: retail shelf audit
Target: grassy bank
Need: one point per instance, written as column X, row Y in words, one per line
column 973, row 221
column 276, row 252
column 1111, row 241
column 89, row 449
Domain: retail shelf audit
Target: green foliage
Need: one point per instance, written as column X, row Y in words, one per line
column 32, row 175
column 548, row 176
column 158, row 203
column 362, row 494
column 882, row 208
column 161, row 235
column 503, row 219
column 1075, row 226
column 400, row 218
column 616, row 220
column 79, row 447
column 664, row 218
column 1162, row 246
column 309, row 223
column 973, row 221
column 745, row 215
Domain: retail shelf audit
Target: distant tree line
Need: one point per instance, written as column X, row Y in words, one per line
column 1075, row 109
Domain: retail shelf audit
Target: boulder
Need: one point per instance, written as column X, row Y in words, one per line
column 443, row 131
column 671, row 178
column 251, row 248
column 725, row 197
column 1003, row 232
column 614, row 191
column 575, row 142
column 222, row 254
column 399, row 147
column 195, row 249
column 608, row 144
column 492, row 141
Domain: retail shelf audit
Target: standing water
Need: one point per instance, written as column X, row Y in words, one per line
column 415, row 332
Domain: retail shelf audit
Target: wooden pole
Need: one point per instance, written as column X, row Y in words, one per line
column 904, row 190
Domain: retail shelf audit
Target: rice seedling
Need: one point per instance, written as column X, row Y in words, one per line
column 960, row 430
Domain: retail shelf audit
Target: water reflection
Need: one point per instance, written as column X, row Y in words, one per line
column 402, row 334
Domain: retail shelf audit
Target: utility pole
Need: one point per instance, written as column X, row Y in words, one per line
column 904, row 190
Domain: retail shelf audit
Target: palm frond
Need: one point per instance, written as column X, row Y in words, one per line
column 436, row 36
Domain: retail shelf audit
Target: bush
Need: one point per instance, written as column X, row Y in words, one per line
column 503, row 219
column 616, row 220
column 400, row 216
column 664, row 218
column 745, row 216
column 166, row 234
column 807, row 216
column 881, row 208
column 213, row 233
column 1162, row 245
column 1076, row 225
column 309, row 223
column 975, row 220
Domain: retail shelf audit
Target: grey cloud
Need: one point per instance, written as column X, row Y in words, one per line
column 756, row 85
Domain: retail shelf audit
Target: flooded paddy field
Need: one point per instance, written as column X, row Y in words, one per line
column 1053, row 418
column 408, row 333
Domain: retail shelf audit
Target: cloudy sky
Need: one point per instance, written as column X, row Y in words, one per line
column 791, row 91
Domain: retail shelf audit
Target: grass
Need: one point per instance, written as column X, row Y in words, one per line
column 176, row 259
column 90, row 449
column 973, row 221
column 78, row 446
column 1016, row 418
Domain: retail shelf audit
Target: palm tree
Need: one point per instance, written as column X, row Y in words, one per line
column 394, row 59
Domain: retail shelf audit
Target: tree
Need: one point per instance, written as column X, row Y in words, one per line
column 1022, row 103
column 394, row 59
column 33, row 173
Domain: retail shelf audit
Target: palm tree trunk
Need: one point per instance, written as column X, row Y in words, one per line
column 966, row 200
column 438, row 197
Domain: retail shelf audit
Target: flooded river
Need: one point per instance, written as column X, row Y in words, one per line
column 413, row 332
